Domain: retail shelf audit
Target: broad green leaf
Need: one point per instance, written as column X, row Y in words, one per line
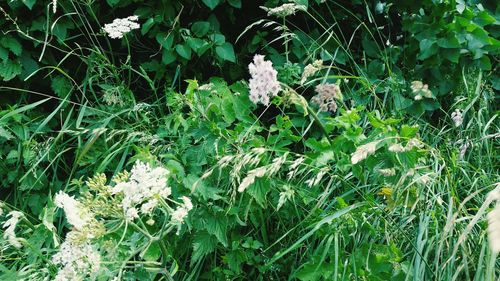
column 29, row 3
column 165, row 40
column 168, row 56
column 199, row 46
column 200, row 28
column 226, row 52
column 448, row 42
column 211, row 3
column 428, row 48
column 147, row 26
column 113, row 3
column 183, row 50
column 235, row 3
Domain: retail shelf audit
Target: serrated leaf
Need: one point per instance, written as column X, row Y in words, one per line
column 12, row 44
column 226, row 52
column 10, row 69
column 5, row 134
column 203, row 244
column 61, row 86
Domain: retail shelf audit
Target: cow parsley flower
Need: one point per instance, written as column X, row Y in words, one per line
column 76, row 214
column 264, row 82
column 10, row 228
column 143, row 189
column 119, row 27
column 182, row 211
column 78, row 258
column 284, row 10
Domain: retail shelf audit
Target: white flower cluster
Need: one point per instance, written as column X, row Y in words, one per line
column 457, row 117
column 120, row 27
column 76, row 214
column 78, row 258
column 143, row 190
column 10, row 228
column 182, row 211
column 264, row 82
column 284, row 10
column 420, row 90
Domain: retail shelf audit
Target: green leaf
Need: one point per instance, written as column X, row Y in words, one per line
column 226, row 52
column 449, row 42
column 235, row 3
column 428, row 48
column 113, row 3
column 165, row 40
column 5, row 134
column 203, row 244
column 147, row 26
column 153, row 252
column 199, row 46
column 484, row 63
column 61, row 86
column 12, row 44
column 10, row 69
column 168, row 56
column 200, row 28
column 29, row 3
column 211, row 3
column 452, row 55
column 183, row 50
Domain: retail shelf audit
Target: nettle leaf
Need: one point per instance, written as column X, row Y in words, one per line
column 217, row 226
column 203, row 244
column 10, row 69
column 226, row 52
column 61, row 86
column 211, row 3
column 4, row 54
column 12, row 44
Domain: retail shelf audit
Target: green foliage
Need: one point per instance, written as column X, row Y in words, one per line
column 389, row 184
